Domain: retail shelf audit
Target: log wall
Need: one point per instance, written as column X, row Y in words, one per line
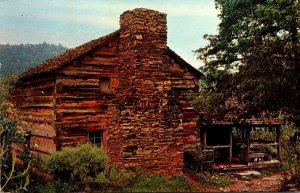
column 80, row 105
column 34, row 99
column 183, row 83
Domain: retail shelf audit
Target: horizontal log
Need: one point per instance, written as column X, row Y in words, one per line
column 35, row 116
column 80, row 110
column 81, row 88
column 80, row 82
column 43, row 110
column 78, row 126
column 37, row 105
column 183, row 84
column 43, row 129
column 34, row 119
column 39, row 152
column 105, row 52
column 48, row 78
column 83, row 96
column 100, row 118
column 34, row 101
column 76, row 133
column 41, row 86
column 43, row 135
column 83, row 102
column 42, row 144
column 19, row 93
column 176, row 74
column 113, row 48
column 99, row 60
column 90, row 69
column 64, row 140
column 86, row 92
column 81, row 105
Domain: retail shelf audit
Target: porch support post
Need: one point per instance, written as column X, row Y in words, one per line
column 204, row 138
column 248, row 129
column 278, row 142
column 230, row 146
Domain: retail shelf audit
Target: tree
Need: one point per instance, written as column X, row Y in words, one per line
column 16, row 59
column 12, row 132
column 254, row 57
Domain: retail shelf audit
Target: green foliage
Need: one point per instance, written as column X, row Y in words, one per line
column 12, row 178
column 254, row 57
column 268, row 150
column 157, row 183
column 263, row 134
column 18, row 58
column 6, row 83
column 77, row 165
column 121, row 181
column 290, row 142
column 44, row 188
column 113, row 179
column 216, row 181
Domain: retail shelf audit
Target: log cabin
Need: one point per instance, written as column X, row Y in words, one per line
column 125, row 92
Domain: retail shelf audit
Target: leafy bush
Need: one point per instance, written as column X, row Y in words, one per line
column 77, row 165
column 12, row 133
column 85, row 168
column 120, row 181
column 269, row 150
column 290, row 141
column 113, row 179
column 263, row 134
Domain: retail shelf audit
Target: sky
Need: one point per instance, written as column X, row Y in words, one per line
column 75, row 22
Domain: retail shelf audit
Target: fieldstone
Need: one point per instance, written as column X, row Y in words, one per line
column 291, row 185
column 248, row 173
column 139, row 37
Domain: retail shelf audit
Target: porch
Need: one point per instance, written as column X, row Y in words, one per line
column 227, row 147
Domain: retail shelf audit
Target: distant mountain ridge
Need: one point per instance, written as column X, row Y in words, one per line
column 15, row 59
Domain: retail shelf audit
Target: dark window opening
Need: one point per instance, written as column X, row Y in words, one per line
column 104, row 83
column 96, row 138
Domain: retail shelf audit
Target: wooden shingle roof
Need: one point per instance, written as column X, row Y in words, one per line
column 72, row 54
column 68, row 56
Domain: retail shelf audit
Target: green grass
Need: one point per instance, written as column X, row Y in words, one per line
column 216, row 181
column 125, row 182
column 157, row 183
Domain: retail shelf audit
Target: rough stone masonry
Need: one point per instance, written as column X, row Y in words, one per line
column 146, row 133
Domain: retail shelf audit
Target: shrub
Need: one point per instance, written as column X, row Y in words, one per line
column 113, row 179
column 77, row 165
column 12, row 132
column 290, row 141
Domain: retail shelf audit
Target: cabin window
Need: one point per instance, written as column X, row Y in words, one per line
column 104, row 83
column 96, row 138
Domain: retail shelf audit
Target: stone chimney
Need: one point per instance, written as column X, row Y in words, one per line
column 143, row 42
column 144, row 133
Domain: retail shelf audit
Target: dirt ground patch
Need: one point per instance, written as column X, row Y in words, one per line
column 267, row 183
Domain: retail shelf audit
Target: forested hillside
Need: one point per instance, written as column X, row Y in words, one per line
column 15, row 59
